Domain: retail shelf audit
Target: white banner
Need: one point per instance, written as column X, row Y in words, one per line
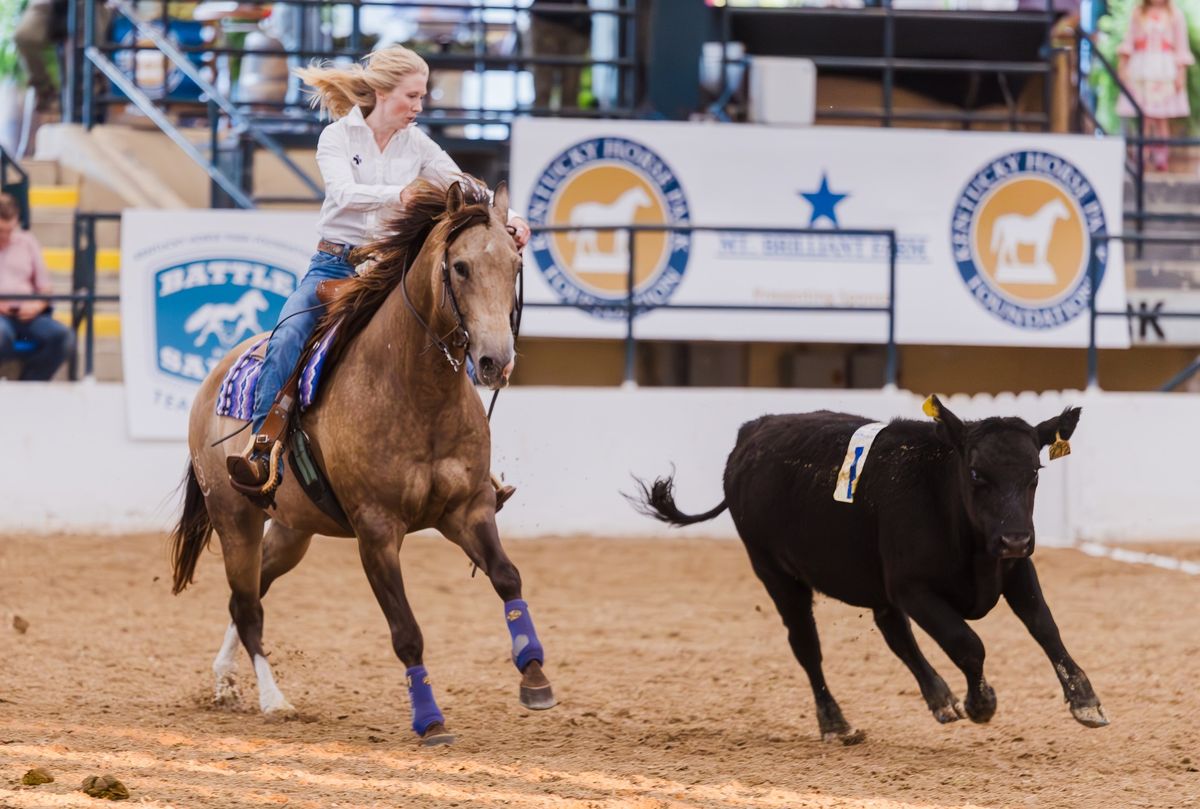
column 193, row 285
column 995, row 231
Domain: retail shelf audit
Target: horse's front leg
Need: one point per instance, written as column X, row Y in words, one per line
column 474, row 530
column 379, row 549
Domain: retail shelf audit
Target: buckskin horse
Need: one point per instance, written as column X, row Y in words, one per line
column 400, row 433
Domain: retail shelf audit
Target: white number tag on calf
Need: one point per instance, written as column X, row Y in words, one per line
column 856, row 460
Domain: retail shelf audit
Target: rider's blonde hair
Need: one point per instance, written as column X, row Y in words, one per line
column 340, row 89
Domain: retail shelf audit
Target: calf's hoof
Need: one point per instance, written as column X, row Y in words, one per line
column 950, row 712
column 849, row 736
column 1091, row 716
column 536, row 693
column 981, row 706
column 436, row 735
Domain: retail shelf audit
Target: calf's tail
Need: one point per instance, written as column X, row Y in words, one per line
column 658, row 501
column 191, row 535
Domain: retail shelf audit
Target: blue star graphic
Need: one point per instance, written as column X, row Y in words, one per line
column 824, row 202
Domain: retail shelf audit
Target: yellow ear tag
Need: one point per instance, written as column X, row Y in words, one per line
column 1059, row 448
column 931, row 409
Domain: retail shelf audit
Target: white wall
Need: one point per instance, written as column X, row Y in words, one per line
column 68, row 464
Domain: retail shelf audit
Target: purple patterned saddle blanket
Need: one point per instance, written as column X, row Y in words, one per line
column 236, row 396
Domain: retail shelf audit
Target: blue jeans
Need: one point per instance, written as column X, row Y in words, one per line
column 53, row 342
column 283, row 352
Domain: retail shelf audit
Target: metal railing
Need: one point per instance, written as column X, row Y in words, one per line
column 14, row 180
column 888, row 65
column 84, row 299
column 631, row 307
column 1100, row 241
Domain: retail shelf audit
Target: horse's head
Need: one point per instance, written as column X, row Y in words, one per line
column 482, row 264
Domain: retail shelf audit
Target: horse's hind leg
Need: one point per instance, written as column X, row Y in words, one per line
column 481, row 541
column 283, row 548
column 379, row 549
column 240, row 529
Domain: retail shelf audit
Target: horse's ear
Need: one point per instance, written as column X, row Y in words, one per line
column 500, row 200
column 454, row 198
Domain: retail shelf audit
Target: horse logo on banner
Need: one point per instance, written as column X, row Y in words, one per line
column 205, row 307
column 609, row 181
column 1026, row 229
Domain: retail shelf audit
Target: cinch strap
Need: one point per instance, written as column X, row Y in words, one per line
column 525, row 644
column 425, row 709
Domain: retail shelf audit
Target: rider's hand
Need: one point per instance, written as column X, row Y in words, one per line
column 519, row 229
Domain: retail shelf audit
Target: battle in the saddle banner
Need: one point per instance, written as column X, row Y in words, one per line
column 194, row 284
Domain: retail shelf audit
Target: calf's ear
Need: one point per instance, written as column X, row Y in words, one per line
column 950, row 427
column 1055, row 432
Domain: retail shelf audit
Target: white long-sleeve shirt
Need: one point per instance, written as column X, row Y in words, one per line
column 363, row 184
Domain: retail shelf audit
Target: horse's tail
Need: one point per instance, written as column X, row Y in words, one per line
column 658, row 501
column 191, row 536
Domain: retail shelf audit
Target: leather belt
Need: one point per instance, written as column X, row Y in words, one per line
column 334, row 248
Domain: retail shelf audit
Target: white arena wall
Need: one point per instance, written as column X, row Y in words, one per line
column 70, row 467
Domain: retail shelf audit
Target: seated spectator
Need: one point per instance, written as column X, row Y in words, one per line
column 23, row 272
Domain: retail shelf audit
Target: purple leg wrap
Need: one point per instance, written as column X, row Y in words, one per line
column 526, row 646
column 425, row 709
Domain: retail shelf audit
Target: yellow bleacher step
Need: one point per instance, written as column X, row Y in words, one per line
column 62, row 259
column 108, row 324
column 53, row 196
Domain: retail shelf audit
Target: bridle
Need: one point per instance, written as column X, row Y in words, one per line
column 459, row 337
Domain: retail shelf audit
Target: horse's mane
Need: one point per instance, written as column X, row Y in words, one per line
column 423, row 222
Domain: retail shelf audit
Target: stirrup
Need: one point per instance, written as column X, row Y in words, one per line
column 254, row 472
column 503, row 492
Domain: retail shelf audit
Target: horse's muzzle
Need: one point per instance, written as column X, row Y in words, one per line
column 493, row 372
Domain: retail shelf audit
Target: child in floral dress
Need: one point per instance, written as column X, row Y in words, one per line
column 1154, row 57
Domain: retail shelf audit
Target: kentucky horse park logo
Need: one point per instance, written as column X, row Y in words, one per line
column 204, row 308
column 609, row 181
column 1025, row 230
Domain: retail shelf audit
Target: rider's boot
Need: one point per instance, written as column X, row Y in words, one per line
column 256, row 469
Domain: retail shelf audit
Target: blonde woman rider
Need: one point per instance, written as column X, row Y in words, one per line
column 367, row 156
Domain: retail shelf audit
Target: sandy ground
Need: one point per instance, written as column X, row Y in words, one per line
column 677, row 687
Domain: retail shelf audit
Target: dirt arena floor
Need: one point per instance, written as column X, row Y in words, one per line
column 677, row 687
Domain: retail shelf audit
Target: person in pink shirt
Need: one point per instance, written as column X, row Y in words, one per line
column 23, row 272
column 1154, row 58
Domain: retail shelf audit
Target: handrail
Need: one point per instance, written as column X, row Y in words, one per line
column 20, row 186
column 147, row 108
column 631, row 308
column 889, row 63
column 188, row 69
column 1139, row 168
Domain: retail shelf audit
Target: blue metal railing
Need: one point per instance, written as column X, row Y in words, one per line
column 631, row 307
column 18, row 186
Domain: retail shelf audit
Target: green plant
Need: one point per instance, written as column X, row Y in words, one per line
column 10, row 16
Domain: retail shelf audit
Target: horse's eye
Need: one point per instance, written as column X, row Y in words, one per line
column 462, row 270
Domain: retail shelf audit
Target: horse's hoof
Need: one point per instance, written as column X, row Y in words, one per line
column 848, row 737
column 539, row 698
column 436, row 735
column 1091, row 716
